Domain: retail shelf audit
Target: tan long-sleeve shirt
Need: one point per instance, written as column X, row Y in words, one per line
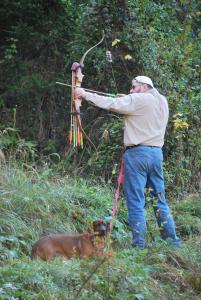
column 145, row 114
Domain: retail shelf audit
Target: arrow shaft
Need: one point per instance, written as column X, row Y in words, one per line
column 89, row 90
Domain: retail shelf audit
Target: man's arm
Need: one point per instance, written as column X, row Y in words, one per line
column 124, row 105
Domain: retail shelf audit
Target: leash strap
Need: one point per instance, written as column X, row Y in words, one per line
column 119, row 182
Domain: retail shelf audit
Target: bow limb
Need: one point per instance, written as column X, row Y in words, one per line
column 85, row 54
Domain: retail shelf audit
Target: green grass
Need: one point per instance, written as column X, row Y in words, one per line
column 39, row 202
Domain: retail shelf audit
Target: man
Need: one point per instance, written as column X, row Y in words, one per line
column 146, row 115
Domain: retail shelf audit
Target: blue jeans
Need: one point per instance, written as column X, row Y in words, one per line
column 143, row 168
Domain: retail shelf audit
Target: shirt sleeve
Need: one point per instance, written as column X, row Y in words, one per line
column 124, row 105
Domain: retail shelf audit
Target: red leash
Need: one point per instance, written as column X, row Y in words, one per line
column 120, row 182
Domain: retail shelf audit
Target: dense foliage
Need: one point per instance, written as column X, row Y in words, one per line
column 41, row 39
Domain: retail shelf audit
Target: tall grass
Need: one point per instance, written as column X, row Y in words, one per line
column 35, row 202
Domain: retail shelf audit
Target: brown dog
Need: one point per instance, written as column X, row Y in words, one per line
column 75, row 245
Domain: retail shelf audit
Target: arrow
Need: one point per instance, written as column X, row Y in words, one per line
column 106, row 94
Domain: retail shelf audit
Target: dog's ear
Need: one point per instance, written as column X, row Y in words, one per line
column 94, row 225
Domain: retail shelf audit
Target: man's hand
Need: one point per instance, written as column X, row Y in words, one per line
column 80, row 93
column 120, row 95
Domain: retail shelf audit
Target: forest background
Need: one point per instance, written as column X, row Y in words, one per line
column 41, row 39
column 48, row 186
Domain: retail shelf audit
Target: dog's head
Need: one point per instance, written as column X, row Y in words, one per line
column 99, row 227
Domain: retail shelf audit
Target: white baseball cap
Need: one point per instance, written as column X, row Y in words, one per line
column 144, row 79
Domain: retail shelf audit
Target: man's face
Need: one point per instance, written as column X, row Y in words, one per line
column 137, row 87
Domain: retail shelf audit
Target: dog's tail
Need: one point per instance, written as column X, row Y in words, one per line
column 34, row 252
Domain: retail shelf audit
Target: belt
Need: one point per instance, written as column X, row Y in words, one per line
column 134, row 146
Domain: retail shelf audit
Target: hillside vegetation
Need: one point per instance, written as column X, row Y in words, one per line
column 37, row 202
